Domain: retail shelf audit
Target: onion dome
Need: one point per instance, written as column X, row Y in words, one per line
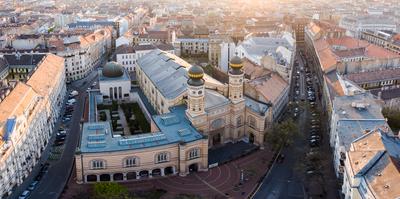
column 196, row 74
column 236, row 65
column 113, row 69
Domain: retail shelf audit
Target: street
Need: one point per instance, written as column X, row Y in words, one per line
column 291, row 179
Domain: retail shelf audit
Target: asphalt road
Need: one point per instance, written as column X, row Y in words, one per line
column 54, row 181
column 283, row 180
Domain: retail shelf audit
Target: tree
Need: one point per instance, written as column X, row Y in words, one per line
column 110, row 190
column 282, row 134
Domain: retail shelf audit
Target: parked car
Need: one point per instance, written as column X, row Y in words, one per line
column 39, row 177
column 24, row 194
column 32, row 186
column 44, row 168
column 314, row 137
column 58, row 143
column 74, row 93
column 314, row 143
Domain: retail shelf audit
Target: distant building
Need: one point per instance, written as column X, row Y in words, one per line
column 152, row 37
column 191, row 46
column 82, row 53
column 127, row 56
column 355, row 25
column 386, row 39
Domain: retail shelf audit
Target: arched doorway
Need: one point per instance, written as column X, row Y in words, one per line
column 118, row 176
column 251, row 138
column 216, row 139
column 91, row 178
column 168, row 171
column 156, row 172
column 193, row 167
column 131, row 175
column 105, row 177
column 144, row 174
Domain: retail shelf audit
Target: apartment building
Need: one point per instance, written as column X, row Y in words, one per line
column 82, row 53
column 28, row 112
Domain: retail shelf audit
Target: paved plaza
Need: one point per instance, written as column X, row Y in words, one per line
column 219, row 182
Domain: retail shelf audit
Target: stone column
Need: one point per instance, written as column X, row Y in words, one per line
column 150, row 173
column 138, row 175
column 162, row 171
column 111, row 177
column 124, row 176
column 97, row 177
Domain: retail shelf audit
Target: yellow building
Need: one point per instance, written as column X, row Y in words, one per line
column 193, row 113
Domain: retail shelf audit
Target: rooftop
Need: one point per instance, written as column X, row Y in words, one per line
column 362, row 106
column 174, row 128
column 168, row 73
column 214, row 99
column 376, row 157
column 374, row 76
column 256, row 106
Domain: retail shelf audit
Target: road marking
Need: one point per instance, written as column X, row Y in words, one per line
column 209, row 185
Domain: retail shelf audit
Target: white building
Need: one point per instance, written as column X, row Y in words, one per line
column 256, row 47
column 114, row 82
column 228, row 50
column 27, row 117
column 127, row 56
column 352, row 116
column 191, row 46
column 355, row 25
column 82, row 53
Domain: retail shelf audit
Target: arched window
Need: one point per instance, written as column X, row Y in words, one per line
column 251, row 121
column 98, row 164
column 194, row 153
column 162, row 157
column 131, row 162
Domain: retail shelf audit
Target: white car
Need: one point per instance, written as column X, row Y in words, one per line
column 24, row 194
column 74, row 93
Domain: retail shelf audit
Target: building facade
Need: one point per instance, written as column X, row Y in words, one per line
column 82, row 54
column 27, row 117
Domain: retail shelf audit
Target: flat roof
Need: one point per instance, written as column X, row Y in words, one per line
column 350, row 130
column 356, row 107
column 174, row 128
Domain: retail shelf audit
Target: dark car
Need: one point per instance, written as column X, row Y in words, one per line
column 58, row 143
column 314, row 143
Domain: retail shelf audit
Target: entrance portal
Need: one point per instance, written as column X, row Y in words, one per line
column 216, row 140
column 193, row 167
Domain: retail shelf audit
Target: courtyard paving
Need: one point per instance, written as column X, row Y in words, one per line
column 218, row 182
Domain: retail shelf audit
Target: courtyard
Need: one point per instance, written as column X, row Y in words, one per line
column 235, row 179
column 126, row 118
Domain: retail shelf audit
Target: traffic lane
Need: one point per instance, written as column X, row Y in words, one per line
column 283, row 181
column 60, row 171
column 53, row 182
